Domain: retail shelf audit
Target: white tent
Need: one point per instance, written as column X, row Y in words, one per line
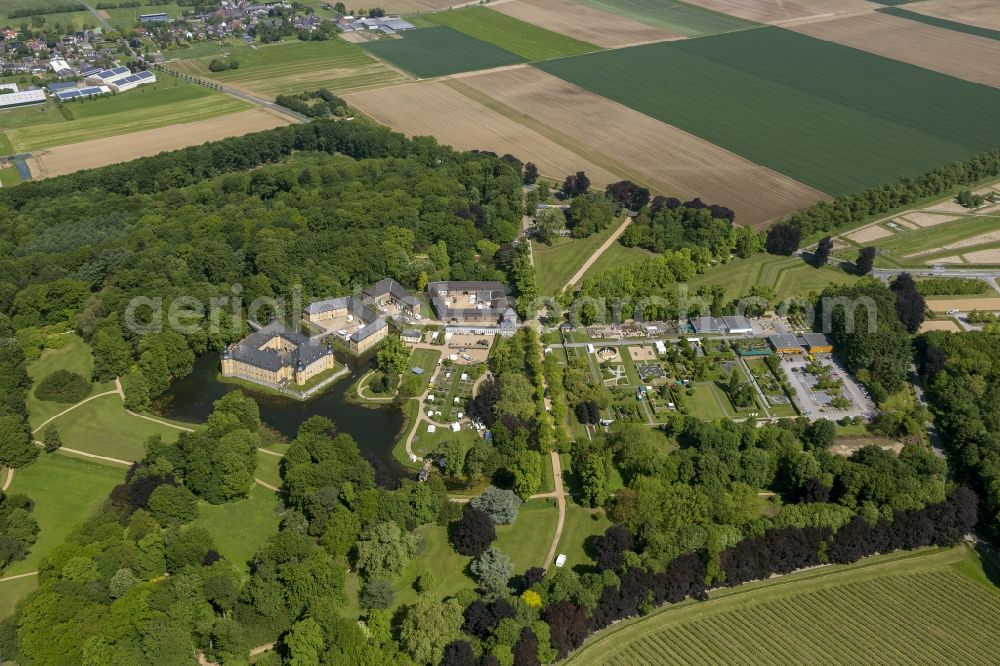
column 432, row 428
column 455, row 427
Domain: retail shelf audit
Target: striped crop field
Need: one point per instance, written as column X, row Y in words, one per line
column 915, row 608
column 526, row 40
column 439, row 51
column 295, row 66
column 832, row 117
column 673, row 16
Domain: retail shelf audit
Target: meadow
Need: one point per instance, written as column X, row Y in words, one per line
column 240, row 528
column 918, row 247
column 127, row 17
column 65, row 491
column 295, row 66
column 930, row 606
column 75, row 356
column 167, row 102
column 555, row 264
column 439, row 51
column 524, row 39
column 781, row 99
column 677, row 17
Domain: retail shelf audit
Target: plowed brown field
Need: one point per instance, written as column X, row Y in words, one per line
column 960, row 55
column 659, row 155
column 436, row 109
column 582, row 22
column 101, row 152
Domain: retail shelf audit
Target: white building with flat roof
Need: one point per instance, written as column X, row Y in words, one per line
column 24, row 98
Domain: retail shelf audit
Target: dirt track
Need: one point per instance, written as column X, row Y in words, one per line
column 582, row 22
column 947, row 51
column 660, row 155
column 101, row 152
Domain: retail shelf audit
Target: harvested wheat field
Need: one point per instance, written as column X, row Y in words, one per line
column 960, row 55
column 777, row 11
column 940, row 325
column 983, row 257
column 922, row 219
column 435, row 109
column 983, row 13
column 953, row 259
column 582, row 22
column 869, row 234
column 124, row 147
column 661, row 156
column 964, row 304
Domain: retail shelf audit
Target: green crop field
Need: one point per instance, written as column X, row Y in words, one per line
column 929, row 607
column 127, row 17
column 430, row 52
column 673, row 16
column 295, row 66
column 524, row 39
column 167, row 102
column 8, row 6
column 832, row 117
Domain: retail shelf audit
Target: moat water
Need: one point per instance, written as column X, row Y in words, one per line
column 374, row 429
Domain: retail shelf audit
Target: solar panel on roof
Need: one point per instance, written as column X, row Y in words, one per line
column 145, row 75
column 106, row 74
column 120, row 70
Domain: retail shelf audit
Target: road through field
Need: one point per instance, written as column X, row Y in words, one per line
column 123, row 148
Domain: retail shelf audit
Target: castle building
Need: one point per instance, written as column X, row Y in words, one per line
column 276, row 356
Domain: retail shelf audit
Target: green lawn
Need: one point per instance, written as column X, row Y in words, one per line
column 789, row 276
column 65, row 491
column 268, row 468
column 128, row 17
column 616, row 256
column 6, row 148
column 9, row 177
column 12, row 592
column 676, row 17
column 924, row 607
column 528, row 539
column 293, row 67
column 781, row 99
column 708, row 402
column 580, row 524
column 167, row 102
column 555, row 264
column 103, row 427
column 239, row 528
column 526, row 40
column 76, row 357
column 430, row 52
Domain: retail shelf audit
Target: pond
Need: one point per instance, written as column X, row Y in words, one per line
column 374, row 429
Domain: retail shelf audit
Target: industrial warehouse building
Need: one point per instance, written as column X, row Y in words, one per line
column 16, row 98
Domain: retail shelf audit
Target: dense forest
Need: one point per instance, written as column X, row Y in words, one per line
column 962, row 375
column 198, row 223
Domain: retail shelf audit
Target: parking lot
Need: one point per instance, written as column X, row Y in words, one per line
column 816, row 403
